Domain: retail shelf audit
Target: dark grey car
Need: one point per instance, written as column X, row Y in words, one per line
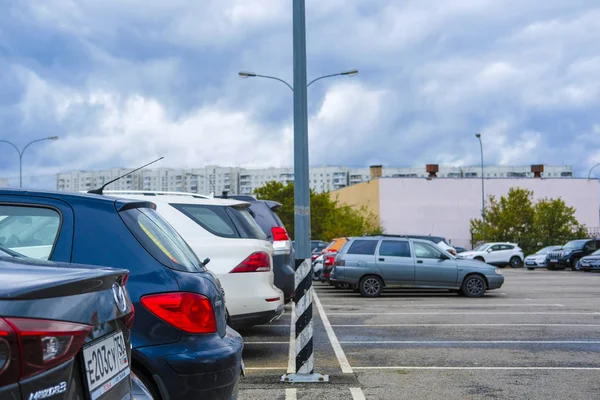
column 371, row 263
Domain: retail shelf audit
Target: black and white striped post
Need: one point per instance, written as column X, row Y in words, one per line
column 305, row 360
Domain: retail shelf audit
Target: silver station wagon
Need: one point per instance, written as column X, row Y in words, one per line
column 372, row 263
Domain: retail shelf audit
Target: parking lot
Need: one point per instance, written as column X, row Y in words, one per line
column 536, row 338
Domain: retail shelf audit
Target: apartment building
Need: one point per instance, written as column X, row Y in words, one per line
column 236, row 180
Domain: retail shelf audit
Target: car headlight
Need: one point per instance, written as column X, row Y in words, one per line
column 498, row 272
column 567, row 253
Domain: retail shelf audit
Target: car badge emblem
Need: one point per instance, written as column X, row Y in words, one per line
column 119, row 297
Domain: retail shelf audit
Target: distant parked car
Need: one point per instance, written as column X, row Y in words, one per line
column 571, row 253
column 459, row 249
column 335, row 245
column 182, row 346
column 239, row 251
column 50, row 349
column 538, row 260
column 590, row 262
column 498, row 254
column 372, row 263
column 265, row 214
column 438, row 240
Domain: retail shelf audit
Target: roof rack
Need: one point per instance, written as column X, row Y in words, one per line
column 157, row 193
column 386, row 235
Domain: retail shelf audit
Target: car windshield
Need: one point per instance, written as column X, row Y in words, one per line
column 4, row 252
column 575, row 244
column 547, row 250
column 481, row 247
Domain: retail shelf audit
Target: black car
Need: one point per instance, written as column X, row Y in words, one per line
column 571, row 253
column 182, row 347
column 264, row 212
column 64, row 331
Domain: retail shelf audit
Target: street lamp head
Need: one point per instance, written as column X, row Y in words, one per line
column 52, row 138
column 478, row 135
column 352, row 72
column 244, row 74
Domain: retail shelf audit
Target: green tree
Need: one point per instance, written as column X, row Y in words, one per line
column 328, row 218
column 514, row 218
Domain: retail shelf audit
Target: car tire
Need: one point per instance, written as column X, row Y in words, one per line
column 573, row 264
column 370, row 286
column 515, row 262
column 148, row 382
column 473, row 286
column 530, row 269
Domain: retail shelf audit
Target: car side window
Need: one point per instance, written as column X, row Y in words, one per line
column 394, row 248
column 424, row 250
column 31, row 231
column 591, row 245
column 507, row 247
column 496, row 247
column 363, row 247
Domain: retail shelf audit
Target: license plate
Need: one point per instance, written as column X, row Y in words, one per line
column 530, row 263
column 553, row 261
column 106, row 364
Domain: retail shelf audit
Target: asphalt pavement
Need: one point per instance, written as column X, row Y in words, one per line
column 538, row 337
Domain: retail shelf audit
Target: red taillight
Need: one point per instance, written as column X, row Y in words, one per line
column 315, row 256
column 124, row 280
column 329, row 260
column 129, row 318
column 279, row 233
column 190, row 312
column 30, row 346
column 256, row 262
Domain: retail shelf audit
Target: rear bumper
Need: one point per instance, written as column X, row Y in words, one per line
column 251, row 293
column 247, row 320
column 196, row 367
column 283, row 270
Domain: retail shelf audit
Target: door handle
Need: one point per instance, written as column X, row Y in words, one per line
column 419, row 261
column 382, row 259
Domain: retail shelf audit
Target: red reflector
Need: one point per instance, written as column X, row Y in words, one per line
column 256, row 262
column 124, row 280
column 279, row 233
column 190, row 312
column 272, row 299
column 44, row 344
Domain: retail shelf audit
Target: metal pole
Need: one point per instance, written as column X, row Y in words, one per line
column 482, row 188
column 303, row 276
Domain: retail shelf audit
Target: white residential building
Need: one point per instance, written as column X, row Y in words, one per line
column 235, row 180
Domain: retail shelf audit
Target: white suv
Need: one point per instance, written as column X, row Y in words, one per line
column 240, row 254
column 499, row 254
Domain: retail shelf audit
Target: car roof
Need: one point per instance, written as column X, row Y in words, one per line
column 175, row 197
column 65, row 196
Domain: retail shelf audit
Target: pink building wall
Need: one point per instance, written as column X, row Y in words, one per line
column 444, row 206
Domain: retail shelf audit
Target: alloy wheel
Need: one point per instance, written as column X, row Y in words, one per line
column 371, row 286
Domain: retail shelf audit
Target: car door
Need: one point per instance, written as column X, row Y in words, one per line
column 395, row 262
column 494, row 254
column 433, row 268
column 37, row 227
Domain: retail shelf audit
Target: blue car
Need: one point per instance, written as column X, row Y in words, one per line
column 182, row 346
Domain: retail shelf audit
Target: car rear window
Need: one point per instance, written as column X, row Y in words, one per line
column 363, row 247
column 161, row 240
column 223, row 221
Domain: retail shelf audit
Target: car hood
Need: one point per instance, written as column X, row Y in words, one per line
column 468, row 253
column 591, row 257
column 536, row 257
column 478, row 265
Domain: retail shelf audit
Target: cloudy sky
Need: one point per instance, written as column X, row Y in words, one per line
column 125, row 81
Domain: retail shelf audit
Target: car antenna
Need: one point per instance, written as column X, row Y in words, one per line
column 99, row 190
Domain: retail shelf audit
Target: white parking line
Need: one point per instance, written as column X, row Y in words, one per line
column 472, row 342
column 292, row 354
column 337, row 348
column 357, row 394
column 483, row 368
column 458, row 325
column 290, row 394
column 265, row 368
column 447, row 305
column 468, row 313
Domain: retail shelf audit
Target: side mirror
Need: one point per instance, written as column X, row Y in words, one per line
column 206, row 261
column 489, row 250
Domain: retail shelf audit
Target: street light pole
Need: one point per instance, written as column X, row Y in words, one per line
column 591, row 169
column 20, row 152
column 478, row 136
column 244, row 74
